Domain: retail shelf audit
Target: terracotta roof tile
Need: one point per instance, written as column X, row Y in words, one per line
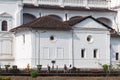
column 113, row 33
column 46, row 22
column 75, row 20
column 51, row 23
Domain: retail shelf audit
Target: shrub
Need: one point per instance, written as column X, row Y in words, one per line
column 74, row 69
column 7, row 78
column 14, row 69
column 6, row 67
column 34, row 74
column 14, row 66
column 0, row 78
column 105, row 67
column 39, row 67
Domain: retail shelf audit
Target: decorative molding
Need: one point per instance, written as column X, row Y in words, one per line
column 5, row 15
column 8, row 57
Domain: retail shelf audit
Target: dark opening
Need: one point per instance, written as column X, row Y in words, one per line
column 95, row 53
column 52, row 38
column 82, row 53
column 4, row 25
column 117, row 56
column 66, row 16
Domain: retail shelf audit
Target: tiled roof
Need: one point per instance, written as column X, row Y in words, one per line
column 45, row 22
column 51, row 23
column 75, row 20
column 113, row 33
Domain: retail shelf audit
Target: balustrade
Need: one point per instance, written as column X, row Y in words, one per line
column 73, row 3
column 98, row 3
column 49, row 2
column 27, row 1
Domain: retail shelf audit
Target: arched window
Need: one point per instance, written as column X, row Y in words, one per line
column 28, row 17
column 4, row 26
column 76, row 17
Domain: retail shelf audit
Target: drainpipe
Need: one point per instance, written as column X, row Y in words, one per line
column 72, row 48
column 39, row 49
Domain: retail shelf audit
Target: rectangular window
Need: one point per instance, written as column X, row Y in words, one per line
column 23, row 38
column 117, row 56
column 82, row 53
column 95, row 52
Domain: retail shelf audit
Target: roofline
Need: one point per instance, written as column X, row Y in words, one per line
column 96, row 21
column 114, row 33
column 30, row 26
column 101, row 23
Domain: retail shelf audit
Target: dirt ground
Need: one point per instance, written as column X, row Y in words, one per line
column 62, row 78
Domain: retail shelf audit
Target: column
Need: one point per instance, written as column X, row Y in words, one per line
column 35, row 2
column 86, row 3
column 19, row 14
column 61, row 3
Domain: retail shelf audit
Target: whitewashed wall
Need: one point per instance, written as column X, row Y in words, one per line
column 46, row 50
column 66, row 46
column 6, row 49
column 100, row 40
column 37, row 43
column 115, row 48
column 23, row 49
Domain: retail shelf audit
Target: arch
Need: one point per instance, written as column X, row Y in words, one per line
column 56, row 17
column 28, row 17
column 105, row 21
column 75, row 17
column 4, row 25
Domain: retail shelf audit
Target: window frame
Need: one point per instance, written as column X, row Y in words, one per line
column 95, row 53
column 4, row 25
column 82, row 53
column 116, row 56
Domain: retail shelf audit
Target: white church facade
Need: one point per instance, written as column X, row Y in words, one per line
column 82, row 33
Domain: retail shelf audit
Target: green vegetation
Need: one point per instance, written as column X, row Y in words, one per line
column 105, row 67
column 6, row 78
column 39, row 67
column 7, row 67
column 34, row 74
